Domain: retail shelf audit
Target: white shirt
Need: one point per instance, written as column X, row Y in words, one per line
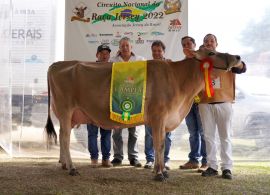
column 133, row 57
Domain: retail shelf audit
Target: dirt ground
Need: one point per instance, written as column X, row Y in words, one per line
column 44, row 176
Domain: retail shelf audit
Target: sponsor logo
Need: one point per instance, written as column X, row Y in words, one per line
column 139, row 41
column 141, row 33
column 128, row 33
column 91, row 38
column 33, row 59
column 105, row 41
column 91, row 35
column 157, row 33
column 115, row 42
column 118, row 35
column 105, row 35
column 129, row 79
column 172, row 6
column 24, row 11
column 150, row 41
column 93, row 41
column 175, row 25
column 33, row 34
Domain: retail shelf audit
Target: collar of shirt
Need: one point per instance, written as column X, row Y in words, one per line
column 133, row 57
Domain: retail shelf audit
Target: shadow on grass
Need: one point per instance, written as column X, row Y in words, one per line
column 44, row 176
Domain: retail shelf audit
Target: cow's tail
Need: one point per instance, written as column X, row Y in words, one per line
column 51, row 134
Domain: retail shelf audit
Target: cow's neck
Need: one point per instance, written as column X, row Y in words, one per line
column 187, row 83
column 189, row 77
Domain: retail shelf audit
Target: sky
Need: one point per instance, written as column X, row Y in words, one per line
column 226, row 19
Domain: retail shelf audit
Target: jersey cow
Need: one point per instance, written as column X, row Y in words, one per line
column 80, row 94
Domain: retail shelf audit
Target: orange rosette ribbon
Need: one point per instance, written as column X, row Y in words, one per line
column 206, row 68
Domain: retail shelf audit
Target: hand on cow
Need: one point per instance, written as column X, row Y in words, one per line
column 241, row 68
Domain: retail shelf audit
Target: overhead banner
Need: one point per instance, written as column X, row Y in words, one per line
column 90, row 23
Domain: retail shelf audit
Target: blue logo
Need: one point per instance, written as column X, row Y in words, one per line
column 33, row 59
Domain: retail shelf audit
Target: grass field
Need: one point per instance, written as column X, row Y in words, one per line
column 44, row 176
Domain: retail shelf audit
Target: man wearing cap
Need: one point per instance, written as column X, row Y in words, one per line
column 103, row 55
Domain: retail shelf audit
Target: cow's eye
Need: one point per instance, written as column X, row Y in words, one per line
column 211, row 53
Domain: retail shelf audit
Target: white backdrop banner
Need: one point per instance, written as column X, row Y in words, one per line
column 90, row 23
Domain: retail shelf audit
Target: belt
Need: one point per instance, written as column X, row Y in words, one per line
column 216, row 103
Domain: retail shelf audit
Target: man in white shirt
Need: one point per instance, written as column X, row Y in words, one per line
column 125, row 55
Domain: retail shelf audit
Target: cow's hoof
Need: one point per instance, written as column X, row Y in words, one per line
column 159, row 177
column 165, row 174
column 64, row 166
column 73, row 172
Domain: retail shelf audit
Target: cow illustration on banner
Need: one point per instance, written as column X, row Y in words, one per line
column 79, row 12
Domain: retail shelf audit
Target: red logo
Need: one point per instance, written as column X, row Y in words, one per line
column 175, row 25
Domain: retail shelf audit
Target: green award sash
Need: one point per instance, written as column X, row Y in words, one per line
column 127, row 94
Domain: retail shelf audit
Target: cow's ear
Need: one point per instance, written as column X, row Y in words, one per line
column 189, row 53
column 203, row 53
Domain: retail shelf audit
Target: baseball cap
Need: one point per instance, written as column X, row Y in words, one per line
column 103, row 47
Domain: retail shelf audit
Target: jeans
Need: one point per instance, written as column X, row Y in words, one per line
column 105, row 142
column 132, row 144
column 196, row 137
column 148, row 145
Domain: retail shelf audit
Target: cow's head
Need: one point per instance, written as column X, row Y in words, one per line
column 80, row 11
column 223, row 61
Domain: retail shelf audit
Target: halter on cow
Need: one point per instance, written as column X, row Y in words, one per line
column 80, row 95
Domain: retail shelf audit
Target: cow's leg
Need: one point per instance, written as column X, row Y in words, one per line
column 62, row 159
column 65, row 157
column 158, row 133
